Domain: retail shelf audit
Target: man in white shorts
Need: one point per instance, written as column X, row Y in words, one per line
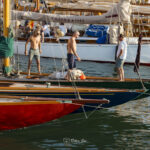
column 121, row 57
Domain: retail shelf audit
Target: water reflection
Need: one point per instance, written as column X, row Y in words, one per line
column 139, row 109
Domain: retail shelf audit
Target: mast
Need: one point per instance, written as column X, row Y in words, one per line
column 37, row 5
column 6, row 24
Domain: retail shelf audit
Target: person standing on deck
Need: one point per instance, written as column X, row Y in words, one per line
column 38, row 27
column 121, row 57
column 72, row 53
column 46, row 29
column 35, row 49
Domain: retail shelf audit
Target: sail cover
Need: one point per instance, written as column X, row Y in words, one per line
column 119, row 13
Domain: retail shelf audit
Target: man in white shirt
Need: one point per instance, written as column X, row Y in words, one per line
column 63, row 29
column 121, row 57
column 46, row 30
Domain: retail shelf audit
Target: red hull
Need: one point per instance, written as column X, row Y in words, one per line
column 14, row 115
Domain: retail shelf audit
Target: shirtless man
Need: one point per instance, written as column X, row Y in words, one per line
column 35, row 49
column 72, row 53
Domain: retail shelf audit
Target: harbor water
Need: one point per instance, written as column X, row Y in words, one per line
column 122, row 127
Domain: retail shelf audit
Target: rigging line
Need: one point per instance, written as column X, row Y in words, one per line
column 134, row 62
column 111, row 109
column 118, row 23
column 96, row 108
column 146, row 93
column 143, row 27
column 55, row 64
column 66, row 121
column 118, row 14
column 17, row 43
column 111, row 15
column 47, row 11
column 138, row 71
column 112, row 27
column 18, row 72
column 77, row 94
column 137, row 8
column 88, row 116
column 11, row 28
column 142, row 93
column 140, row 77
column 73, row 84
column 138, row 19
column 72, row 81
column 63, row 58
column 64, row 61
column 133, row 10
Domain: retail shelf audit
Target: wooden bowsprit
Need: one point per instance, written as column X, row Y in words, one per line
column 42, row 99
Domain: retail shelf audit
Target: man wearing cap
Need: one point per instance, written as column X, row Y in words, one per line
column 121, row 57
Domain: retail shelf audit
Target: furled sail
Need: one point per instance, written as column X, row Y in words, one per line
column 119, row 13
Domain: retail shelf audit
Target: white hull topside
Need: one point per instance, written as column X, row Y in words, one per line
column 90, row 52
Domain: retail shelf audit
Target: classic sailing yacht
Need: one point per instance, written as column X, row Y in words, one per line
column 134, row 18
column 22, row 111
column 23, row 104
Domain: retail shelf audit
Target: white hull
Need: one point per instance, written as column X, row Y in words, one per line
column 90, row 52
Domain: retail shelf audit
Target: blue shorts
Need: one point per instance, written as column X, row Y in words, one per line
column 119, row 63
column 71, row 61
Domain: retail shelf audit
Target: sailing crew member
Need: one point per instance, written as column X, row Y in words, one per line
column 121, row 57
column 38, row 27
column 72, row 54
column 35, row 49
column 63, row 29
column 46, row 29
